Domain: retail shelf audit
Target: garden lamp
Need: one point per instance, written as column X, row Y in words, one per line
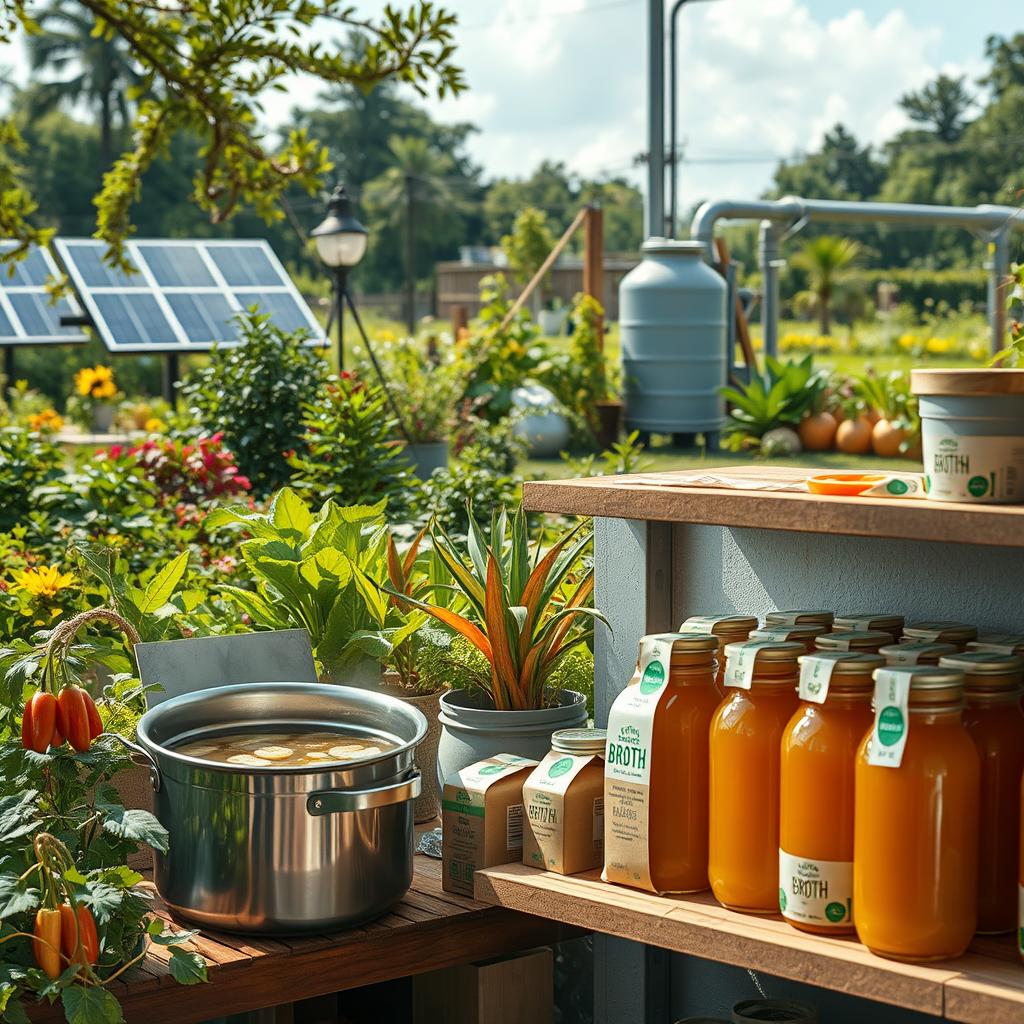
column 341, row 243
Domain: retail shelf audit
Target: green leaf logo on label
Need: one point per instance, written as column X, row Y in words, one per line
column 977, row 485
column 492, row 769
column 560, row 767
column 896, row 487
column 653, row 678
column 782, row 898
column 835, row 912
column 890, row 726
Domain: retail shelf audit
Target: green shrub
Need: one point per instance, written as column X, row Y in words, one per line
column 349, row 451
column 924, row 289
column 255, row 395
column 27, row 461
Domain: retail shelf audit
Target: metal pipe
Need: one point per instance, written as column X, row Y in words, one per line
column 998, row 272
column 655, row 118
column 994, row 221
column 673, row 151
column 771, row 264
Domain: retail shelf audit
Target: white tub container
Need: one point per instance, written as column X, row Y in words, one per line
column 972, row 431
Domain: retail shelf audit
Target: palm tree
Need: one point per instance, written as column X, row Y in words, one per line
column 416, row 193
column 102, row 69
column 825, row 260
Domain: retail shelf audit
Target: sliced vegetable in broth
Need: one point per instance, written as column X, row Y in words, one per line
column 287, row 750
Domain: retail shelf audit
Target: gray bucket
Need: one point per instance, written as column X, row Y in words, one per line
column 473, row 731
column 974, row 447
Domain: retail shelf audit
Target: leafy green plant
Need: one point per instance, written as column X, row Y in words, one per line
column 1013, row 354
column 427, row 376
column 524, row 613
column 320, row 572
column 528, row 246
column 780, row 397
column 350, row 451
column 27, row 460
column 891, row 396
column 623, row 457
column 255, row 394
column 503, row 357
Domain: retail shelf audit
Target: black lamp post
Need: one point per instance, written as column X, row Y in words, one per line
column 341, row 243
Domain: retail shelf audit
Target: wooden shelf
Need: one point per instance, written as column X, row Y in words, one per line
column 673, row 498
column 984, row 987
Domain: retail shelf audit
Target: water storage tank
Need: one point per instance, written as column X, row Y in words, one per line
column 672, row 319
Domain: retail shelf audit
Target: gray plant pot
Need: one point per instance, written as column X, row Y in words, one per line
column 102, row 419
column 472, row 730
column 426, row 456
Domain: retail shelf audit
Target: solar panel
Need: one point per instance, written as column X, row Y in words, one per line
column 183, row 294
column 28, row 315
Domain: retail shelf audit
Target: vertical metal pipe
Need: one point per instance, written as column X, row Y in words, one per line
column 768, row 254
column 998, row 271
column 655, row 118
column 673, row 117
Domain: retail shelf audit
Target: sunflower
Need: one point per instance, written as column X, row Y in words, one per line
column 47, row 421
column 43, row 581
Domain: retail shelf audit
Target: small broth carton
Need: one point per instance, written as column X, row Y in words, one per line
column 482, row 818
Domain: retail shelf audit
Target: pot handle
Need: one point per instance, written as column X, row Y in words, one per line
column 142, row 757
column 333, row 801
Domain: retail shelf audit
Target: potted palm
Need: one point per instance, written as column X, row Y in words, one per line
column 523, row 611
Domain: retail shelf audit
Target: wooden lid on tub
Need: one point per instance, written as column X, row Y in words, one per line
column 977, row 381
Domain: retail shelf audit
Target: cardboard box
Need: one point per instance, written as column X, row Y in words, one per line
column 482, row 818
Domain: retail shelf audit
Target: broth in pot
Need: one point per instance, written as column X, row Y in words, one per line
column 286, row 750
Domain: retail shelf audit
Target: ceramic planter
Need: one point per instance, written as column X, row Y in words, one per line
column 544, row 428
column 102, row 419
column 426, row 456
column 472, row 729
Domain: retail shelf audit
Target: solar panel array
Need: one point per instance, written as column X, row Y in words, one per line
column 28, row 314
column 183, row 294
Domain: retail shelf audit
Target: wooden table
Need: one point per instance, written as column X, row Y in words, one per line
column 430, row 929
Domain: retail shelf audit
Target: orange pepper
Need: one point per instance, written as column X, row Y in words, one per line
column 38, row 722
column 46, row 944
column 73, row 717
column 79, row 941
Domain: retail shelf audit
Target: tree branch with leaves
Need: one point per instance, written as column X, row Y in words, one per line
column 205, row 67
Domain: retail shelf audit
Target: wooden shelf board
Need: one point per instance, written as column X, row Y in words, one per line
column 668, row 497
column 984, row 987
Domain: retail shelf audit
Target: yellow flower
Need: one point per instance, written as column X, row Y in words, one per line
column 84, row 380
column 153, row 425
column 104, row 389
column 939, row 346
column 43, row 581
column 47, row 421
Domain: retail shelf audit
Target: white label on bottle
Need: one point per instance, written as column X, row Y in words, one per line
column 700, row 624
column 815, row 675
column 974, row 468
column 627, row 767
column 739, row 668
column 818, row 892
column 892, row 718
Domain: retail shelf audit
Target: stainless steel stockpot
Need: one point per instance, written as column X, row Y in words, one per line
column 282, row 849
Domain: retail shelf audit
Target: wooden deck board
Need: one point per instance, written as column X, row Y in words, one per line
column 672, row 497
column 427, row 930
column 984, row 987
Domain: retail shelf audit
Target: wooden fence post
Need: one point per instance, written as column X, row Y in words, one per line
column 593, row 259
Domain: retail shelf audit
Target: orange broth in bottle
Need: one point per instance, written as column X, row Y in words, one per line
column 656, row 766
column 915, row 835
column 743, row 850
column 730, row 629
column 993, row 717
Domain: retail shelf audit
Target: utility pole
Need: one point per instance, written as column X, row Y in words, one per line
column 410, row 253
column 655, row 118
column 593, row 259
